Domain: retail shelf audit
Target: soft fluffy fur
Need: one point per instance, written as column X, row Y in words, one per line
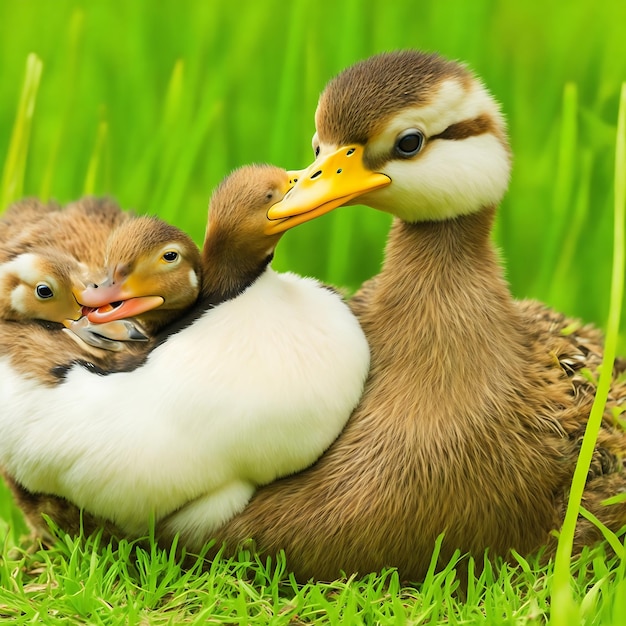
column 472, row 415
column 252, row 389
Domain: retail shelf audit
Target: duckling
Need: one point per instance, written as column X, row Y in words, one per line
column 39, row 285
column 152, row 274
column 255, row 383
column 472, row 415
column 39, row 281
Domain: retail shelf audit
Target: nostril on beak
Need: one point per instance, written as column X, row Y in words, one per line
column 293, row 181
column 318, row 173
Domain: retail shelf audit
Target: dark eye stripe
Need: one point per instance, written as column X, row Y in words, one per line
column 469, row 128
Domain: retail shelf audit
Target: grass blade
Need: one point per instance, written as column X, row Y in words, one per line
column 562, row 602
column 15, row 164
column 94, row 169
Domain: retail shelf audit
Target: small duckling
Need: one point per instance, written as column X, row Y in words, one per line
column 235, row 395
column 152, row 272
column 40, row 285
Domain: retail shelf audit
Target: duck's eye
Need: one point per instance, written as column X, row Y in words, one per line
column 409, row 143
column 43, row 291
column 316, row 149
column 170, row 256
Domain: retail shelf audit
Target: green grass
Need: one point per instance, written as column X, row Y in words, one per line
column 81, row 581
column 154, row 103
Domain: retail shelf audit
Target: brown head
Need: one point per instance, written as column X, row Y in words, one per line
column 152, row 272
column 240, row 240
column 41, row 285
column 408, row 133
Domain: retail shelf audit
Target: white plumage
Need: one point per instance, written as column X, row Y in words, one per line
column 256, row 388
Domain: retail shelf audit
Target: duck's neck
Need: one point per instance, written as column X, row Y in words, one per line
column 442, row 310
column 227, row 270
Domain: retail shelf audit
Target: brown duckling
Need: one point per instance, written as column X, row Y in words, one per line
column 255, row 382
column 48, row 253
column 40, row 285
column 153, row 274
column 472, row 415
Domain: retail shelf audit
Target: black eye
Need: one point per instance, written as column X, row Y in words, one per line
column 317, row 151
column 43, row 291
column 409, row 143
column 170, row 256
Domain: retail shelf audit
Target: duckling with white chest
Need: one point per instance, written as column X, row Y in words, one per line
column 43, row 284
column 254, row 383
column 468, row 424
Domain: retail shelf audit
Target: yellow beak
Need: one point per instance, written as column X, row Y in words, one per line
column 329, row 182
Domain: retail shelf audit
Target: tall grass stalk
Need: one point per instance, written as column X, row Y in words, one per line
column 564, row 611
column 15, row 162
column 72, row 44
column 563, row 184
column 97, row 161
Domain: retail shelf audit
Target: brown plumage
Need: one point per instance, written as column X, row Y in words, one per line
column 80, row 229
column 136, row 251
column 472, row 417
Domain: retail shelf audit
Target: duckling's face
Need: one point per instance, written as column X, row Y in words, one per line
column 41, row 286
column 406, row 133
column 152, row 268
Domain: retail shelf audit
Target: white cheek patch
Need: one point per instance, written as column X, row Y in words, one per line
column 19, row 299
column 452, row 177
column 193, row 279
column 25, row 267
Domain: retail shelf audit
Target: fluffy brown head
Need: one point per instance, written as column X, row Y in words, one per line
column 80, row 229
column 360, row 100
column 237, row 245
column 155, row 258
column 39, row 285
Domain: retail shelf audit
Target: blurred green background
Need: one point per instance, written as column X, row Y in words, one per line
column 153, row 102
